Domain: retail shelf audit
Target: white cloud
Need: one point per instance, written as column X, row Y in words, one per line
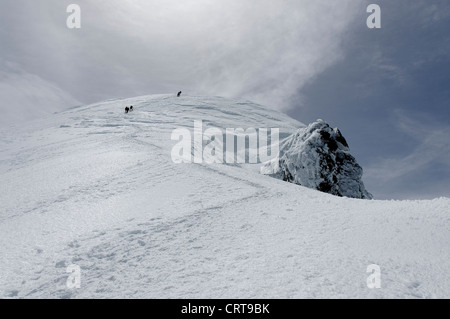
column 262, row 50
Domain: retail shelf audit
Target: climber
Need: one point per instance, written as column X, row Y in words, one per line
column 179, row 94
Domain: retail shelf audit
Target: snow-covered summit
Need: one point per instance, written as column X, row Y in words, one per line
column 97, row 188
column 318, row 157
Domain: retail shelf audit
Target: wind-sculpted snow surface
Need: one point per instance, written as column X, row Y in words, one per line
column 318, row 157
column 95, row 188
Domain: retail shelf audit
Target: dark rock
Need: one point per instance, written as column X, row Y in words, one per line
column 318, row 157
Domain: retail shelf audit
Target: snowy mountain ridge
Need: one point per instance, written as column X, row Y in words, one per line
column 96, row 188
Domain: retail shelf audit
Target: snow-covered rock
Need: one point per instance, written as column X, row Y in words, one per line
column 318, row 157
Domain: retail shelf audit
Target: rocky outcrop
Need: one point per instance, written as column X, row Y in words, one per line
column 318, row 157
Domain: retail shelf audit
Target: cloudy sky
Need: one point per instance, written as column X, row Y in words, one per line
column 388, row 90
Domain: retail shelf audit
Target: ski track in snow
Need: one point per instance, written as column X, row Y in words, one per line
column 97, row 188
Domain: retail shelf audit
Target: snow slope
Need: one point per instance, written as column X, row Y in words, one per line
column 97, row 188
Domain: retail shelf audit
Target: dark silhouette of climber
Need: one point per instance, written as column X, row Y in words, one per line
column 127, row 110
column 179, row 94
